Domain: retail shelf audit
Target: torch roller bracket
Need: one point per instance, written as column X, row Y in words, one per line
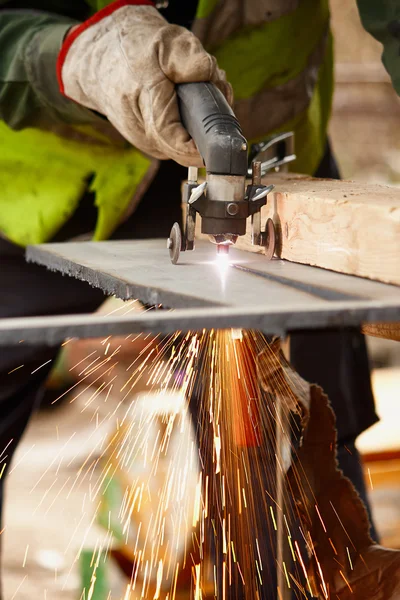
column 248, row 292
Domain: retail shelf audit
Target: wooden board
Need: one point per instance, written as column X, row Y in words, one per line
column 345, row 226
column 388, row 331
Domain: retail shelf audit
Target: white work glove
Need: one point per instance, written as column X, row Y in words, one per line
column 124, row 63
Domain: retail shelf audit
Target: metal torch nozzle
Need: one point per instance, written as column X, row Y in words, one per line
column 222, row 249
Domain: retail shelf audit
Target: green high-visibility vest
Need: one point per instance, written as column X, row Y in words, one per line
column 280, row 66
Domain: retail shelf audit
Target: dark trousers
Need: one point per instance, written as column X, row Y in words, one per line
column 336, row 360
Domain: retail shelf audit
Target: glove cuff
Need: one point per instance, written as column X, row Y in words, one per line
column 98, row 16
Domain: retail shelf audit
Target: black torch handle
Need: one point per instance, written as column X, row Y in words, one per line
column 210, row 121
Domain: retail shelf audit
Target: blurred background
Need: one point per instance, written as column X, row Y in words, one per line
column 49, row 518
column 365, row 133
column 366, row 109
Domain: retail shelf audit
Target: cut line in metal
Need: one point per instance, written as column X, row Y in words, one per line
column 319, row 292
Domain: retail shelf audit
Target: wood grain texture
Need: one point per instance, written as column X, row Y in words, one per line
column 345, row 226
column 388, row 331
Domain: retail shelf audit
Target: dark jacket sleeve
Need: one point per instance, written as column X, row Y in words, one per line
column 29, row 95
column 381, row 18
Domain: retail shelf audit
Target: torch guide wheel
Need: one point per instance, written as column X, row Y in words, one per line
column 175, row 243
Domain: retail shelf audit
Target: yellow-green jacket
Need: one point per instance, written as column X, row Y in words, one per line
column 277, row 55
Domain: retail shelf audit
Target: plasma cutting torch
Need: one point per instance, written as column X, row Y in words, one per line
column 223, row 200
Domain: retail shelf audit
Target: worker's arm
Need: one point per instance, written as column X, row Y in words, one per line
column 30, row 42
column 123, row 63
column 381, row 18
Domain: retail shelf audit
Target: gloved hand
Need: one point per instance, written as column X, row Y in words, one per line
column 124, row 63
